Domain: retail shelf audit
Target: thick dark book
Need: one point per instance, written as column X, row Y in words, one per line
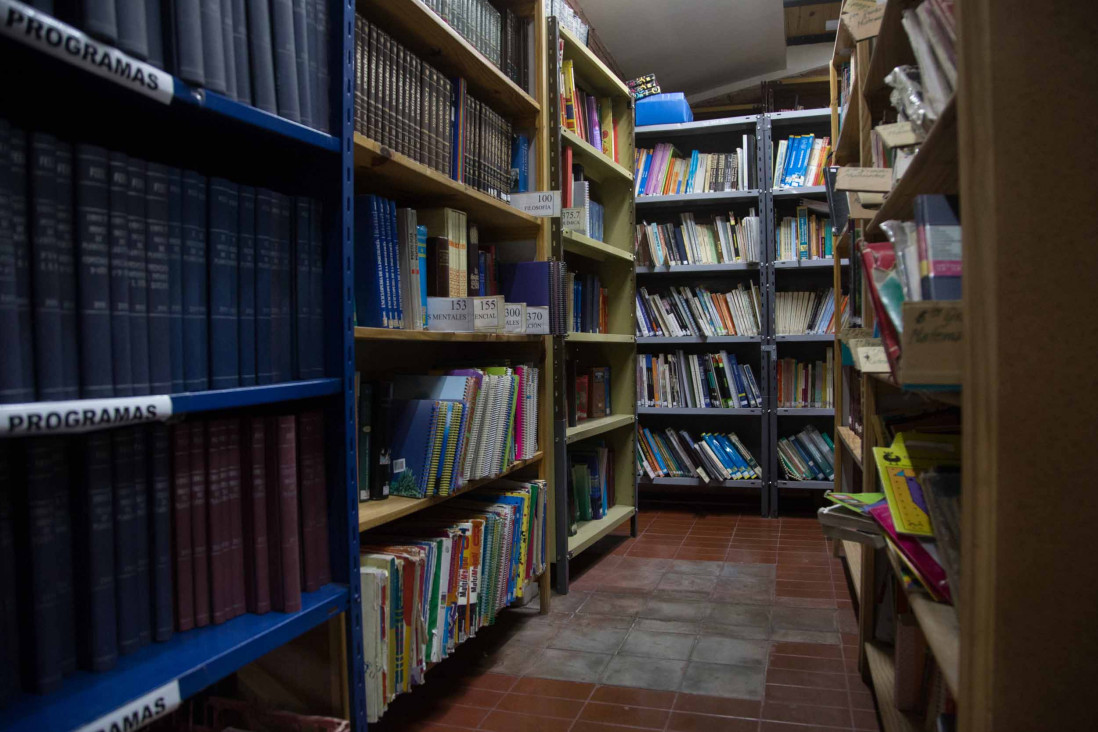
column 213, row 46
column 39, row 559
column 312, row 43
column 189, row 64
column 233, row 478
column 285, row 65
column 160, row 531
column 240, row 53
column 316, row 291
column 98, row 19
column 154, row 22
column 46, row 279
column 380, row 465
column 175, row 277
column 126, row 531
column 223, row 253
column 282, row 519
column 261, row 55
column 283, row 307
column 195, row 345
column 17, row 360
column 119, row 245
column 158, row 278
column 217, row 495
column 62, row 527
column 253, row 470
column 310, row 497
column 139, row 287
column 200, row 555
column 93, row 270
column 66, row 273
column 438, row 266
column 301, row 57
column 302, row 286
column 142, row 510
column 322, row 93
column 133, row 28
column 266, row 257
column 228, row 48
column 9, row 579
column 181, row 527
column 246, row 285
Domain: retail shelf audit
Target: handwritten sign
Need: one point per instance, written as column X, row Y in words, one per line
column 872, row 180
column 900, row 134
column 864, row 24
column 543, row 204
column 932, row 342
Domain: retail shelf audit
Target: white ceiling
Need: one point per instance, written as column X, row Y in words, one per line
column 691, row 45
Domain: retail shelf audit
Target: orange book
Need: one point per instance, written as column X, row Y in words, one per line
column 726, row 314
column 604, row 315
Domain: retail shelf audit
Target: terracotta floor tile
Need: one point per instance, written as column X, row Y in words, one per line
column 543, row 706
column 688, row 722
column 865, row 719
column 718, row 706
column 553, row 688
column 815, row 650
column 499, row 721
column 456, row 716
column 790, row 677
column 631, row 716
column 582, row 725
column 629, row 696
column 804, row 695
column 492, row 682
column 806, row 714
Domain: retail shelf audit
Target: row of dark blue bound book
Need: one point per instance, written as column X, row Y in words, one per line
column 270, row 54
column 113, row 540
column 121, row 277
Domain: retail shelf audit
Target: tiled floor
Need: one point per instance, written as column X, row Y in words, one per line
column 705, row 621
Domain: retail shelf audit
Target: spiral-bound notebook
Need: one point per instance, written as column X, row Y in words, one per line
column 411, row 446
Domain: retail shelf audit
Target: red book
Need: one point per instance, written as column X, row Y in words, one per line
column 282, row 522
column 236, row 528
column 217, row 494
column 199, row 555
column 566, row 177
column 181, row 539
column 321, row 496
column 257, row 586
column 310, row 460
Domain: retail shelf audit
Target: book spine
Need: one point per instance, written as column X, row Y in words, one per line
column 126, row 530
column 282, row 37
column 228, row 49
column 223, row 284
column 93, row 545
column 302, row 290
column 46, row 277
column 316, row 291
column 160, row 531
column 17, row 361
column 181, row 525
column 200, row 555
column 9, row 579
column 283, row 351
column 133, row 33
column 136, row 268
column 261, row 55
column 154, row 28
column 301, row 57
column 213, row 46
column 273, row 491
column 99, row 20
column 189, row 64
column 257, row 586
column 175, row 277
column 246, row 241
column 195, row 345
column 306, row 480
column 241, row 60
column 93, row 271
column 235, row 518
column 66, row 273
column 216, row 525
column 289, row 548
column 142, row 599
column 159, row 279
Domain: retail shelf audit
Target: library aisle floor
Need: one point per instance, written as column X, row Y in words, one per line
column 713, row 620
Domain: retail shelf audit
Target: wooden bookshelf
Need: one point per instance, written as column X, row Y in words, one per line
column 588, row 532
column 594, row 427
column 596, row 165
column 852, row 442
column 575, row 337
column 430, row 336
column 852, row 552
column 882, row 669
column 585, row 246
column 587, row 65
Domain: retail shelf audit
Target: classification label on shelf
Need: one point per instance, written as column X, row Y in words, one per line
column 449, row 314
column 140, row 712
column 81, row 415
column 537, row 320
column 539, row 203
column 514, row 317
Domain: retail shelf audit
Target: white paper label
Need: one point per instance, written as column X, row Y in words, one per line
column 514, row 317
column 42, row 32
column 399, row 465
column 487, row 313
column 449, row 314
column 539, row 203
column 138, row 713
column 81, row 415
column 873, row 360
column 537, row 320
column 574, row 219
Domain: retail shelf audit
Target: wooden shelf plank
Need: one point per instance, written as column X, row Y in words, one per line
column 592, row 427
column 595, row 75
column 697, row 199
column 392, row 334
column 589, row 532
column 401, row 175
column 853, row 444
column 372, row 514
column 891, row 49
column 595, row 164
column 853, row 552
column 883, row 672
column 436, row 42
column 599, row 338
column 942, row 631
column 585, row 246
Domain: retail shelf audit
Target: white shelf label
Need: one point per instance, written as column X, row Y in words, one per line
column 487, row 314
column 40, row 31
column 574, row 219
column 537, row 320
column 451, row 314
column 539, row 203
column 81, row 415
column 514, row 317
column 138, row 713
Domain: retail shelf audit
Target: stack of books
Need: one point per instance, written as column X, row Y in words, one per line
column 576, row 192
column 643, row 86
column 806, row 383
column 805, row 313
column 274, row 57
column 664, row 171
column 807, row 455
column 723, row 241
column 805, row 236
column 588, row 394
column 501, row 37
column 429, row 583
column 127, row 277
column 431, row 435
column 127, row 536
column 713, row 458
column 591, row 118
column 800, row 161
column 690, row 311
column 590, row 483
column 932, row 31
column 586, row 312
column 695, row 381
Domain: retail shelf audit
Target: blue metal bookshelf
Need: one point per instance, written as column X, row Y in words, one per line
column 264, row 149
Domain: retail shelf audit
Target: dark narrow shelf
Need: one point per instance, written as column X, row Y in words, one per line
column 804, row 337
column 697, row 483
column 674, row 269
column 808, row 263
column 688, row 340
column 799, row 191
column 194, row 659
column 805, row 411
column 814, row 485
column 700, row 412
column 683, row 199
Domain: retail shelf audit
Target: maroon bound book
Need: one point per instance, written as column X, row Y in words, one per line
column 282, row 523
column 236, row 526
column 199, row 544
column 308, row 428
column 217, row 504
column 320, row 494
column 181, row 526
column 257, row 587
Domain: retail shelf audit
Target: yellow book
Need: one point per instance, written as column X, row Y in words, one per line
column 568, row 92
column 439, row 429
column 606, row 127
column 899, row 468
column 453, row 437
